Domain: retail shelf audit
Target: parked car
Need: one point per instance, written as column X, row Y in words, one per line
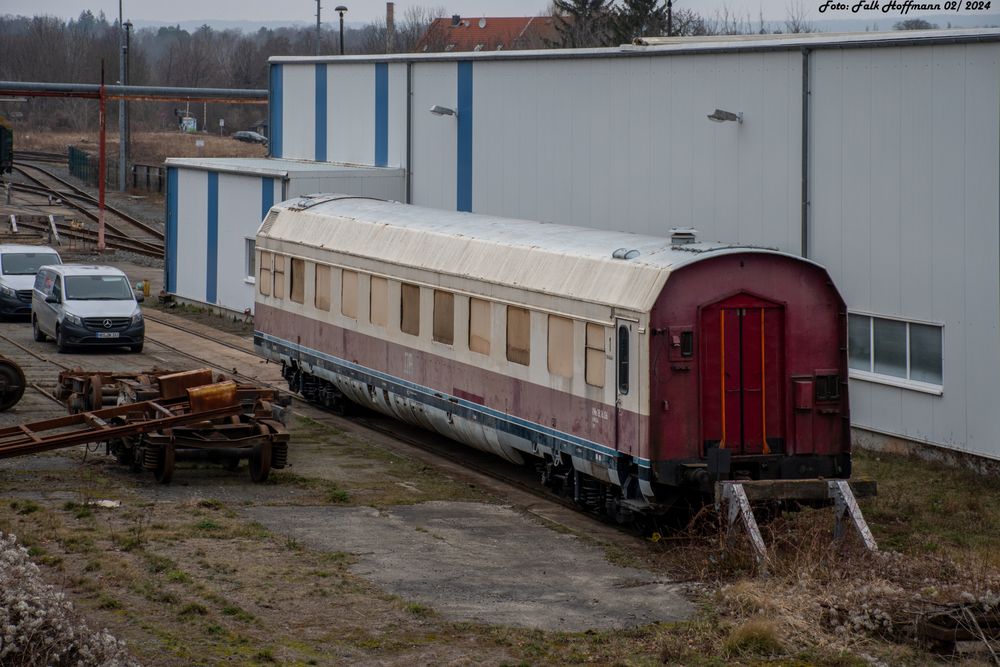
column 86, row 306
column 250, row 137
column 18, row 266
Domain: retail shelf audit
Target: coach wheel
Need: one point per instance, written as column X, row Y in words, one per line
column 165, row 467
column 260, row 461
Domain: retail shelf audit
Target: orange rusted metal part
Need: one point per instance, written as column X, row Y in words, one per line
column 176, row 385
column 212, row 396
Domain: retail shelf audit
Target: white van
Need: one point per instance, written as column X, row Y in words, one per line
column 18, row 266
column 86, row 306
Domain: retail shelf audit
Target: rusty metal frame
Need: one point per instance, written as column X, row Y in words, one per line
column 97, row 425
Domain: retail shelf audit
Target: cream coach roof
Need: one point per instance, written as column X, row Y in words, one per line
column 565, row 261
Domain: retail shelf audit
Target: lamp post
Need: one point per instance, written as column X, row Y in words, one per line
column 340, row 9
column 127, row 139
column 121, row 101
column 317, row 27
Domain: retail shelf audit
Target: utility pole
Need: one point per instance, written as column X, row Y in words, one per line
column 121, row 100
column 317, row 27
column 670, row 18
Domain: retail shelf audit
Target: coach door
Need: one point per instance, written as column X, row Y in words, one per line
column 742, row 363
column 626, row 389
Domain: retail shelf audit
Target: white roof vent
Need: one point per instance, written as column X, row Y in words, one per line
column 683, row 235
column 625, row 253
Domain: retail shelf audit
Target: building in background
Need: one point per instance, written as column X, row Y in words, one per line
column 507, row 33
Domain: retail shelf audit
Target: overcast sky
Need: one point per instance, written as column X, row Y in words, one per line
column 359, row 10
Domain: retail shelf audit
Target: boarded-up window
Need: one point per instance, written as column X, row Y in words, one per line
column 444, row 317
column 279, row 276
column 596, row 360
column 322, row 299
column 264, row 280
column 560, row 346
column 298, row 280
column 480, row 325
column 349, row 294
column 518, row 335
column 409, row 309
column 378, row 310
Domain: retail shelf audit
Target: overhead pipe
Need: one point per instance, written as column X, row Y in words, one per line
column 93, row 91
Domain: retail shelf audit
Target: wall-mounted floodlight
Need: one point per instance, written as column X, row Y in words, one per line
column 720, row 116
column 439, row 110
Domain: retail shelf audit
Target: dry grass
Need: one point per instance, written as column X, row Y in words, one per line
column 147, row 147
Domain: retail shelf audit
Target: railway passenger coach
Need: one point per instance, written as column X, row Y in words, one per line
column 631, row 369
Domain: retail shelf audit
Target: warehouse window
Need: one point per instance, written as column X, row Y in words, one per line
column 349, row 294
column 444, row 317
column 480, row 325
column 250, row 247
column 279, row 276
column 409, row 309
column 264, row 281
column 518, row 335
column 595, row 361
column 560, row 346
column 297, row 280
column 378, row 304
column 897, row 349
column 322, row 285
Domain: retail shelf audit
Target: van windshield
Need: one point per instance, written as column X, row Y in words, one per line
column 26, row 263
column 97, row 288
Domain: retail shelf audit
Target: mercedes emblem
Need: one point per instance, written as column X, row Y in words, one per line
column 107, row 324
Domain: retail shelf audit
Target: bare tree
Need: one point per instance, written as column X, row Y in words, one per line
column 797, row 18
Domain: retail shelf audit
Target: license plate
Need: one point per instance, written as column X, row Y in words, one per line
column 107, row 334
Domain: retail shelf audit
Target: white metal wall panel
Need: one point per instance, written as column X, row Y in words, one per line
column 351, row 113
column 434, row 139
column 624, row 143
column 298, row 130
column 397, row 115
column 192, row 234
column 387, row 185
column 239, row 218
column 904, row 174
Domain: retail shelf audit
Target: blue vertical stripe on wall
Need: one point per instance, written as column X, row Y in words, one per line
column 212, row 244
column 171, row 265
column 464, row 167
column 381, row 114
column 274, row 102
column 321, row 112
column 266, row 196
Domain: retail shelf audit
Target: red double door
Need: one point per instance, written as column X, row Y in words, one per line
column 742, row 366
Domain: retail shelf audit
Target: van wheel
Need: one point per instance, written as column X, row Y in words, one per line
column 36, row 332
column 135, row 349
column 60, row 341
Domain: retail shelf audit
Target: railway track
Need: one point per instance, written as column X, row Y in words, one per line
column 122, row 231
column 40, row 156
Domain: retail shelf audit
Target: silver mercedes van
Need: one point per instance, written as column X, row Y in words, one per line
column 86, row 306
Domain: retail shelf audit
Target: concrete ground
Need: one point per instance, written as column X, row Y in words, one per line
column 485, row 564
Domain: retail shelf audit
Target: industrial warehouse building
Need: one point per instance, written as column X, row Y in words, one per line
column 875, row 155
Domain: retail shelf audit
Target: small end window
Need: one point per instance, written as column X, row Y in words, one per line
column 623, row 359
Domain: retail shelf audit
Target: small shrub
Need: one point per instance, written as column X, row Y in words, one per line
column 756, row 637
column 192, row 609
column 418, row 609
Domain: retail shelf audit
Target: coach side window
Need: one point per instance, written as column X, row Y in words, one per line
column 378, row 311
column 518, row 335
column 297, row 280
column 409, row 309
column 279, row 276
column 622, row 359
column 444, row 317
column 595, row 361
column 480, row 325
column 560, row 346
column 264, row 280
column 322, row 284
column 349, row 294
